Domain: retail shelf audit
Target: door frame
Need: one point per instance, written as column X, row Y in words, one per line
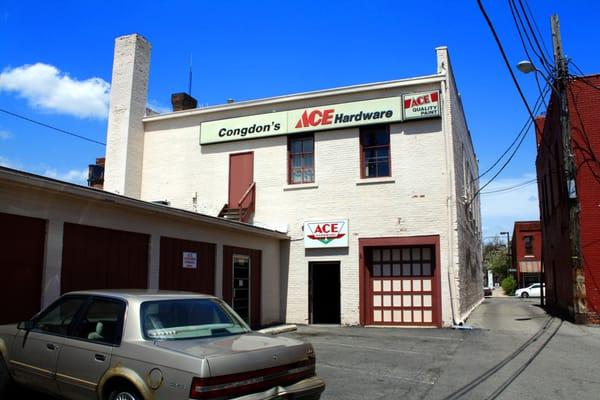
column 229, row 177
column 247, row 257
column 255, row 280
column 364, row 275
column 311, row 265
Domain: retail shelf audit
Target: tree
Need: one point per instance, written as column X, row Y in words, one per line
column 495, row 259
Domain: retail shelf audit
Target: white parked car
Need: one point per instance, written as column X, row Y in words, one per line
column 530, row 291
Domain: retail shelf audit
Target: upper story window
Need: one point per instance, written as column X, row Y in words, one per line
column 528, row 245
column 375, row 151
column 301, row 161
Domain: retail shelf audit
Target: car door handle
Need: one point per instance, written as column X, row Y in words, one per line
column 100, row 357
column 51, row 346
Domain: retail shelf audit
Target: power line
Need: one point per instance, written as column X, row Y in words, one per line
column 540, row 54
column 505, row 58
column 547, row 52
column 526, row 126
column 522, row 31
column 511, row 188
column 521, row 94
column 52, row 127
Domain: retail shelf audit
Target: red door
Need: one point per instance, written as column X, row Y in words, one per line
column 241, row 176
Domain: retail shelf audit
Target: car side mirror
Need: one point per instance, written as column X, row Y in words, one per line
column 26, row 325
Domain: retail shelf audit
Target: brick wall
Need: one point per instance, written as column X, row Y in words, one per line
column 565, row 289
column 584, row 110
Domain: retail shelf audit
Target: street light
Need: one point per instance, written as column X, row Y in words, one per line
column 510, row 269
column 527, row 67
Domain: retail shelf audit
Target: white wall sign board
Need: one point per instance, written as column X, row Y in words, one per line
column 326, row 234
column 422, row 105
column 345, row 115
column 302, row 120
column 190, row 260
column 250, row 127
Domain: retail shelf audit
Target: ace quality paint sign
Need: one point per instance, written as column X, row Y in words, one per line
column 326, row 234
column 422, row 105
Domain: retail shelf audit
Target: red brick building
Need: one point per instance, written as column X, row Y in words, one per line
column 527, row 252
column 572, row 283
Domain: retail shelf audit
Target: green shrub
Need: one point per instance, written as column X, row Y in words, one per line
column 509, row 285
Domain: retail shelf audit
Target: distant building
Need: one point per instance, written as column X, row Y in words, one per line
column 571, row 289
column 526, row 250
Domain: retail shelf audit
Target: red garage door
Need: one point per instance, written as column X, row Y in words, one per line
column 401, row 285
column 21, row 265
column 99, row 258
column 187, row 265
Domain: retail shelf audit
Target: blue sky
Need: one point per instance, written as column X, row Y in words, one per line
column 57, row 60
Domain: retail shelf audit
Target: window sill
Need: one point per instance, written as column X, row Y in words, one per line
column 301, row 186
column 373, row 181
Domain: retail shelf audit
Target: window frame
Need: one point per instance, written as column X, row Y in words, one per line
column 362, row 151
column 290, row 155
column 226, row 308
column 75, row 326
column 528, row 249
column 51, row 307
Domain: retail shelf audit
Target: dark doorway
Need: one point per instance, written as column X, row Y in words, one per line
column 324, row 292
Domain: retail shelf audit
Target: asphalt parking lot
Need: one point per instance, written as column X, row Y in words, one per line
column 447, row 364
column 389, row 363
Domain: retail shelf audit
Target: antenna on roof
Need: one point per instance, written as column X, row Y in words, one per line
column 190, row 78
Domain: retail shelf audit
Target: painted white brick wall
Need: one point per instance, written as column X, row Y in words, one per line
column 467, row 268
column 128, row 97
column 416, row 203
column 422, row 199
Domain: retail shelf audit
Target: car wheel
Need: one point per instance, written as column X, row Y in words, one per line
column 124, row 393
column 524, row 295
column 4, row 378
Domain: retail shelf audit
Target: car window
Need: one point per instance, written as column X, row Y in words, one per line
column 189, row 318
column 535, row 286
column 58, row 317
column 102, row 321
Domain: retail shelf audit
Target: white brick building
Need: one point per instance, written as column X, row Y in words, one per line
column 391, row 162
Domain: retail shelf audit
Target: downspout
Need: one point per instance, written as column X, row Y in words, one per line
column 456, row 320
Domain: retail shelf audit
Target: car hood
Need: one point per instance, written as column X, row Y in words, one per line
column 239, row 353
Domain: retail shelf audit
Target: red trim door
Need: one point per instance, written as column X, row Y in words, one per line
column 241, row 176
column 400, row 281
column 254, row 281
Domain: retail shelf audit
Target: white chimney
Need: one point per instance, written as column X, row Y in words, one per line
column 128, row 98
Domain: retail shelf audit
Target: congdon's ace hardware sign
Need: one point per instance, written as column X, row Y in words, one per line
column 326, row 234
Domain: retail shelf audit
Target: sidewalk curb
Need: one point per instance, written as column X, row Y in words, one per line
column 276, row 330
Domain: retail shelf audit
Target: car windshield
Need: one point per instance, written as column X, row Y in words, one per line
column 189, row 319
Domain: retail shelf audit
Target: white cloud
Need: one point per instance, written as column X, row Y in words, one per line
column 76, row 176
column 46, row 87
column 5, row 135
column 500, row 210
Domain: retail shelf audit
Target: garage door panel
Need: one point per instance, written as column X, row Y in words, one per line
column 22, row 243
column 100, row 258
column 172, row 274
column 401, row 296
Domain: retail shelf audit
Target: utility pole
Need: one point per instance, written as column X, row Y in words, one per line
column 562, row 77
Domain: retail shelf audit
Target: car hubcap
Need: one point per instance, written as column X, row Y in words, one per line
column 124, row 396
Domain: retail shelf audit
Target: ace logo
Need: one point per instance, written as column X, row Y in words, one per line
column 421, row 100
column 326, row 234
column 315, row 118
